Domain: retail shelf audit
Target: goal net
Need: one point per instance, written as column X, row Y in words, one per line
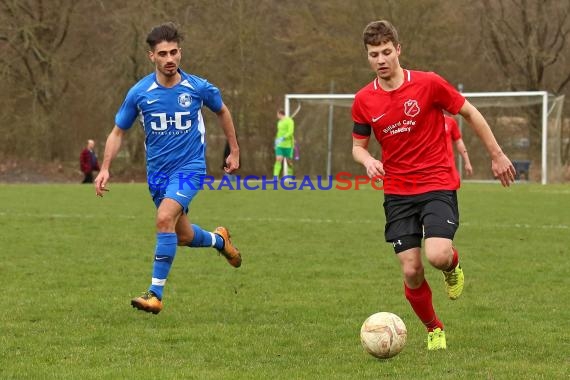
column 527, row 125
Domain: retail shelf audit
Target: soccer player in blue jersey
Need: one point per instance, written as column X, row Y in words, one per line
column 168, row 104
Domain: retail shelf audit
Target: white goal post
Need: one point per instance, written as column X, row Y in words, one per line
column 537, row 99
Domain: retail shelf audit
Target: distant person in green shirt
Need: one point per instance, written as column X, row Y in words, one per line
column 284, row 143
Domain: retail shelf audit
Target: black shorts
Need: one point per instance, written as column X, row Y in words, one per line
column 409, row 217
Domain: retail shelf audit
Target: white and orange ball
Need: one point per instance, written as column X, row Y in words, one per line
column 383, row 335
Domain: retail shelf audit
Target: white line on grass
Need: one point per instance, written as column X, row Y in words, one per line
column 62, row 216
column 291, row 220
column 517, row 225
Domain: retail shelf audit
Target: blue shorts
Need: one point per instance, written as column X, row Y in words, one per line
column 180, row 186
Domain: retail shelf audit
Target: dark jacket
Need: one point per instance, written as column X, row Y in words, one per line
column 88, row 161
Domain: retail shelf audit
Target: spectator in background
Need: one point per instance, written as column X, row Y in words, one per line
column 454, row 136
column 88, row 161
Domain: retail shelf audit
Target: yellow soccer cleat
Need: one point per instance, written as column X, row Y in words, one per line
column 454, row 282
column 436, row 340
column 230, row 251
column 148, row 302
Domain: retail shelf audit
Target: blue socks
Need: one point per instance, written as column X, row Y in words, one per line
column 164, row 256
column 165, row 251
column 206, row 239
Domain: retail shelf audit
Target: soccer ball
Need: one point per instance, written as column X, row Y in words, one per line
column 383, row 335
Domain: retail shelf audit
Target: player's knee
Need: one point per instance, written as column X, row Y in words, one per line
column 164, row 222
column 413, row 273
column 439, row 257
column 439, row 261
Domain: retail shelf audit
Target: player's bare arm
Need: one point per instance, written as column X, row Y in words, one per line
column 460, row 145
column 112, row 146
column 360, row 153
column 501, row 166
column 226, row 122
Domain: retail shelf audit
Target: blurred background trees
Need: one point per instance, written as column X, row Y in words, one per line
column 65, row 65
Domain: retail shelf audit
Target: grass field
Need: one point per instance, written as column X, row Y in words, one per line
column 315, row 266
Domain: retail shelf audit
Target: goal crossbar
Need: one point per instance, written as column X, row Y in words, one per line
column 542, row 94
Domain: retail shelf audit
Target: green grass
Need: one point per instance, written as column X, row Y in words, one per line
column 315, row 266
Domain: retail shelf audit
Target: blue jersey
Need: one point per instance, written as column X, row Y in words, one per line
column 172, row 121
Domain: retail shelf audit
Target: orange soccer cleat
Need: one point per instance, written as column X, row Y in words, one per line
column 230, row 251
column 148, row 302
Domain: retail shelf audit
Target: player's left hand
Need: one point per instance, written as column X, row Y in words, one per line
column 232, row 162
column 100, row 182
column 279, row 141
column 503, row 169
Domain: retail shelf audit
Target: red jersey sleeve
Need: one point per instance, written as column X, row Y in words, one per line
column 445, row 95
column 361, row 129
column 357, row 111
column 453, row 128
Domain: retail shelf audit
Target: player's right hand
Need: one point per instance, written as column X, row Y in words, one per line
column 100, row 182
column 374, row 168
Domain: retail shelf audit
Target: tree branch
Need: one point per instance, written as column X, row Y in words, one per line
column 65, row 28
column 563, row 84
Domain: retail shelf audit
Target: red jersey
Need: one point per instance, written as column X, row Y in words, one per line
column 408, row 123
column 453, row 134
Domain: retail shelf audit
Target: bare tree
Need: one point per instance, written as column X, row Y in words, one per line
column 528, row 42
column 63, row 79
column 232, row 44
column 32, row 36
column 525, row 39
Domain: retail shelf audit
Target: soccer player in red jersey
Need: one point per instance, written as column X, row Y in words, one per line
column 404, row 109
column 454, row 137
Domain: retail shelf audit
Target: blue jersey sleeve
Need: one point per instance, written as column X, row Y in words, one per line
column 211, row 96
column 127, row 114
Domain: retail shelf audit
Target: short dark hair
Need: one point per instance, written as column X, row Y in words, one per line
column 380, row 32
column 165, row 32
column 280, row 111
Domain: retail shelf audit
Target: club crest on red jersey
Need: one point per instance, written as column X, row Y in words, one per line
column 411, row 108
